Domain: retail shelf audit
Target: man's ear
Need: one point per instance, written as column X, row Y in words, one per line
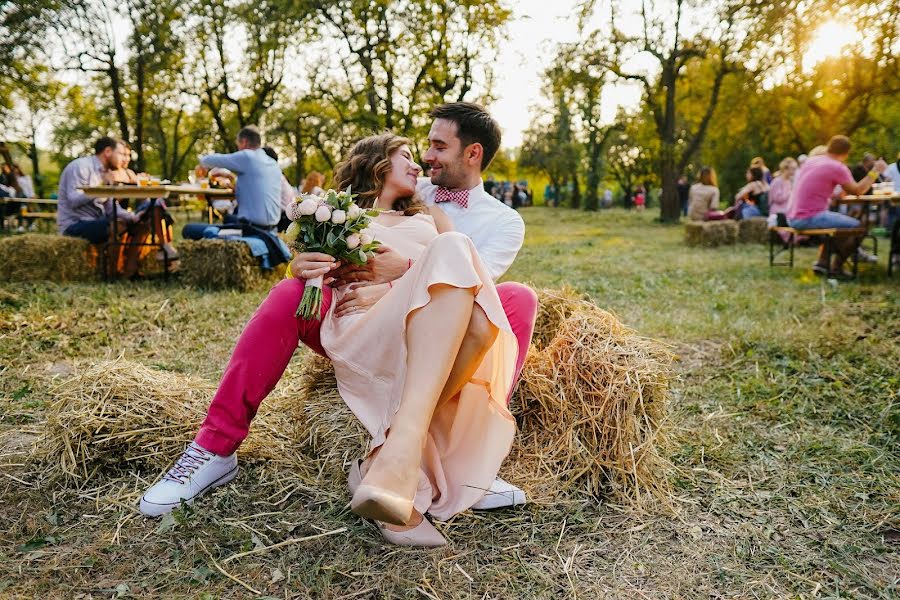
column 474, row 152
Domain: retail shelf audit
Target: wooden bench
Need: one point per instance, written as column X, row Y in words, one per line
column 25, row 211
column 828, row 236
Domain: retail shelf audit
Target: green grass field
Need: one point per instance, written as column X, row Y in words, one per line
column 785, row 445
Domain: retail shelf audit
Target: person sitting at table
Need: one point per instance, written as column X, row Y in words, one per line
column 288, row 192
column 258, row 186
column 80, row 215
column 161, row 219
column 752, row 200
column 812, row 194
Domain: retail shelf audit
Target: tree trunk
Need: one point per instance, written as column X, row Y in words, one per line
column 669, row 207
column 669, row 204
column 592, row 201
column 35, row 165
column 115, row 82
column 140, row 75
column 575, row 199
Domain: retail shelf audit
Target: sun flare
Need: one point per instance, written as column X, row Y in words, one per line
column 828, row 41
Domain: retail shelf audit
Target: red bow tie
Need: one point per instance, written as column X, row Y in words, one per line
column 460, row 197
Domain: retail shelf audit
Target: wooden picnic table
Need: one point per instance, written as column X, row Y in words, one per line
column 868, row 200
column 152, row 192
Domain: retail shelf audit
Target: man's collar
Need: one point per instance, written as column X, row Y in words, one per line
column 98, row 163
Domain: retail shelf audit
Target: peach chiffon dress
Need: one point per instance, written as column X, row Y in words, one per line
column 471, row 434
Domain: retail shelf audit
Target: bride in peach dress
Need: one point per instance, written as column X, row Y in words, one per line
column 424, row 362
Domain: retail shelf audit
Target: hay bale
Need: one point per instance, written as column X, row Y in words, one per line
column 44, row 257
column 554, row 307
column 115, row 415
column 222, row 264
column 590, row 409
column 754, row 230
column 710, row 234
column 334, row 435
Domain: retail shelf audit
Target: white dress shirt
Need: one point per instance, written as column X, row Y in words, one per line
column 496, row 230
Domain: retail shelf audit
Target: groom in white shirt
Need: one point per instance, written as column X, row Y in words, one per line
column 462, row 142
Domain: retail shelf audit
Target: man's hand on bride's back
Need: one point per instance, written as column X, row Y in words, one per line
column 387, row 265
column 309, row 265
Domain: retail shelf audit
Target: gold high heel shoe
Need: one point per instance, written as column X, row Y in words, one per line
column 423, row 535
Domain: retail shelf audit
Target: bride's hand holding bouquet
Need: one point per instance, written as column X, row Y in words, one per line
column 330, row 224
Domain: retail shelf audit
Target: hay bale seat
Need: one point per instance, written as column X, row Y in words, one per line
column 223, row 264
column 591, row 408
column 46, row 257
column 754, row 230
column 710, row 234
column 111, row 416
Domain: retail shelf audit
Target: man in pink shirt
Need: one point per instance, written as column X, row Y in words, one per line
column 811, row 197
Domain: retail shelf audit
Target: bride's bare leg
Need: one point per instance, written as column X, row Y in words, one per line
column 434, row 335
column 479, row 338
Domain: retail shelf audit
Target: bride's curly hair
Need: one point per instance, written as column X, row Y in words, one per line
column 365, row 169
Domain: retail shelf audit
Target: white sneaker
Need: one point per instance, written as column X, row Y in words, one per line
column 196, row 472
column 864, row 256
column 500, row 495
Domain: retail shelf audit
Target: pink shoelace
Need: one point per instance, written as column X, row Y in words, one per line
column 193, row 457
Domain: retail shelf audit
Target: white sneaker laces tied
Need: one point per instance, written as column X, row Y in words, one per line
column 192, row 458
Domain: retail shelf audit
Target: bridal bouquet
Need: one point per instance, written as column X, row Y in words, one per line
column 331, row 224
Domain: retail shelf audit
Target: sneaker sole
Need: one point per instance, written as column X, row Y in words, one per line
column 494, row 500
column 153, row 509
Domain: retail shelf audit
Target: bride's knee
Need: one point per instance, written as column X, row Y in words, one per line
column 451, row 242
column 481, row 331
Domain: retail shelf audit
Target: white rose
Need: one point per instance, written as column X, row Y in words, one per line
column 353, row 212
column 292, row 232
column 323, row 213
column 307, row 207
column 363, row 257
column 338, row 217
column 365, row 237
column 352, row 241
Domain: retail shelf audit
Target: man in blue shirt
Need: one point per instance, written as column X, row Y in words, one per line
column 258, row 187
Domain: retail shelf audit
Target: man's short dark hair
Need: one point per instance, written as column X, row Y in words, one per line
column 474, row 125
column 270, row 152
column 839, row 144
column 104, row 143
column 251, row 135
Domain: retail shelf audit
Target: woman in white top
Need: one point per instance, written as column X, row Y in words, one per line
column 24, row 182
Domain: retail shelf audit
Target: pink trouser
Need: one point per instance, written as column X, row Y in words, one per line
column 267, row 343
